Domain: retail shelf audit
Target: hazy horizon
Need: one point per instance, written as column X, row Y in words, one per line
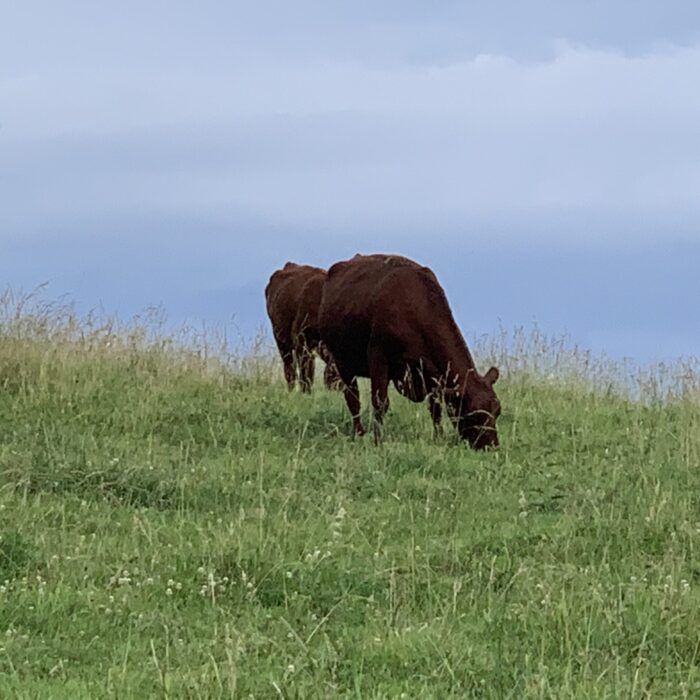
column 543, row 160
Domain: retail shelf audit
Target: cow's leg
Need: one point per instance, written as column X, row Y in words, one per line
column 379, row 376
column 331, row 378
column 435, row 408
column 352, row 399
column 286, row 350
column 290, row 372
column 306, row 368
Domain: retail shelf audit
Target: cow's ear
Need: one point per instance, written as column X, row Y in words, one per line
column 491, row 377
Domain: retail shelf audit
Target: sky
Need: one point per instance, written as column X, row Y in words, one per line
column 543, row 158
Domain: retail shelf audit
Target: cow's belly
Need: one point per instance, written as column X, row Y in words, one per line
column 349, row 350
column 410, row 381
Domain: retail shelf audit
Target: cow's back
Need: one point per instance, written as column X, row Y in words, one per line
column 373, row 294
column 308, row 305
column 352, row 285
column 292, row 294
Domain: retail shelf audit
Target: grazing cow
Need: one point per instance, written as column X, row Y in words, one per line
column 292, row 297
column 387, row 318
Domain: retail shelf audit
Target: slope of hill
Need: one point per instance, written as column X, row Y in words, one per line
column 177, row 525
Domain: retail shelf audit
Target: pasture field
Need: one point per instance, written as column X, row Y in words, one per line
column 173, row 526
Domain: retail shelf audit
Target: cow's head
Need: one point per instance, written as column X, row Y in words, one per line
column 475, row 408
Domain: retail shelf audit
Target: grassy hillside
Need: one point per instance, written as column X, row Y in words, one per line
column 177, row 526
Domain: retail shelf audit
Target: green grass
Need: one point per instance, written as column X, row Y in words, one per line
column 174, row 526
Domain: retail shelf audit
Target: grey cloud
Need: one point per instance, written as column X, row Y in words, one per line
column 165, row 152
column 176, row 34
column 325, row 145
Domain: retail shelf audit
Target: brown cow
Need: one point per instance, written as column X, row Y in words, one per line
column 293, row 296
column 387, row 318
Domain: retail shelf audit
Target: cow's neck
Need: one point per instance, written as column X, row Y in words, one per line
column 452, row 358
